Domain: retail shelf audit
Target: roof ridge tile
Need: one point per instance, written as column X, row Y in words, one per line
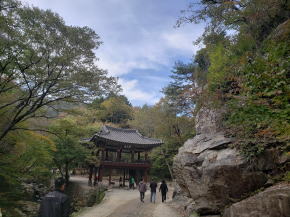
column 121, row 135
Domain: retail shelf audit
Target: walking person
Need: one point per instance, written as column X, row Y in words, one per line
column 55, row 203
column 153, row 186
column 142, row 189
column 164, row 189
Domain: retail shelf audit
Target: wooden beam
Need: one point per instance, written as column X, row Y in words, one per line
column 124, row 164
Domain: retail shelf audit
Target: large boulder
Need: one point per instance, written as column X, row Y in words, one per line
column 207, row 121
column 272, row 202
column 214, row 174
column 210, row 171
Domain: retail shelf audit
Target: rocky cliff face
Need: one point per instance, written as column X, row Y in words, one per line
column 212, row 175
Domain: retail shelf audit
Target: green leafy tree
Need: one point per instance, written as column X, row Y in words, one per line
column 261, row 113
column 72, row 131
column 42, row 61
column 180, row 91
column 247, row 70
column 185, row 91
column 30, row 157
column 161, row 121
column 239, row 15
column 69, row 152
column 116, row 109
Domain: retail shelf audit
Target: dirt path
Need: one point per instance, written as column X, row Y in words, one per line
column 126, row 203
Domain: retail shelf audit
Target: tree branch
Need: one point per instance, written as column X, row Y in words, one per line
column 36, row 130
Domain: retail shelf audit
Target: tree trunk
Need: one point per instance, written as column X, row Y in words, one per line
column 169, row 168
column 66, row 173
column 58, row 167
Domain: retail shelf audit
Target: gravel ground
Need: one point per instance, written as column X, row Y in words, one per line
column 126, row 203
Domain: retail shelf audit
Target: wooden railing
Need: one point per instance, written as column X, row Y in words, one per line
column 125, row 164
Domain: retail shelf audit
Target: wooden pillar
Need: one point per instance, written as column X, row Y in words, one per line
column 90, row 174
column 139, row 157
column 95, row 175
column 139, row 176
column 132, row 155
column 107, row 155
column 103, row 154
column 146, row 155
column 119, row 154
column 124, row 176
column 110, row 176
column 146, row 175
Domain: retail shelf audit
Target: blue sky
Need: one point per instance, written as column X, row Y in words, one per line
column 140, row 43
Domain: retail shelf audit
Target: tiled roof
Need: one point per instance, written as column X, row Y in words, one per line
column 130, row 136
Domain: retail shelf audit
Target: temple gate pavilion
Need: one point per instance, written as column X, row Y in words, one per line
column 125, row 150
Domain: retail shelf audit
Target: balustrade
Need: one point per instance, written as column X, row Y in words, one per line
column 123, row 157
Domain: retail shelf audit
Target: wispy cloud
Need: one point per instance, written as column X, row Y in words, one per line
column 131, row 90
column 151, row 51
column 138, row 37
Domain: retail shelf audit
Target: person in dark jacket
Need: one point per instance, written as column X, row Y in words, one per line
column 55, row 203
column 153, row 186
column 164, row 189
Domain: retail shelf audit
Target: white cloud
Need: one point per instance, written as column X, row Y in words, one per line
column 151, row 51
column 130, row 89
column 137, row 35
column 179, row 40
column 119, row 67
